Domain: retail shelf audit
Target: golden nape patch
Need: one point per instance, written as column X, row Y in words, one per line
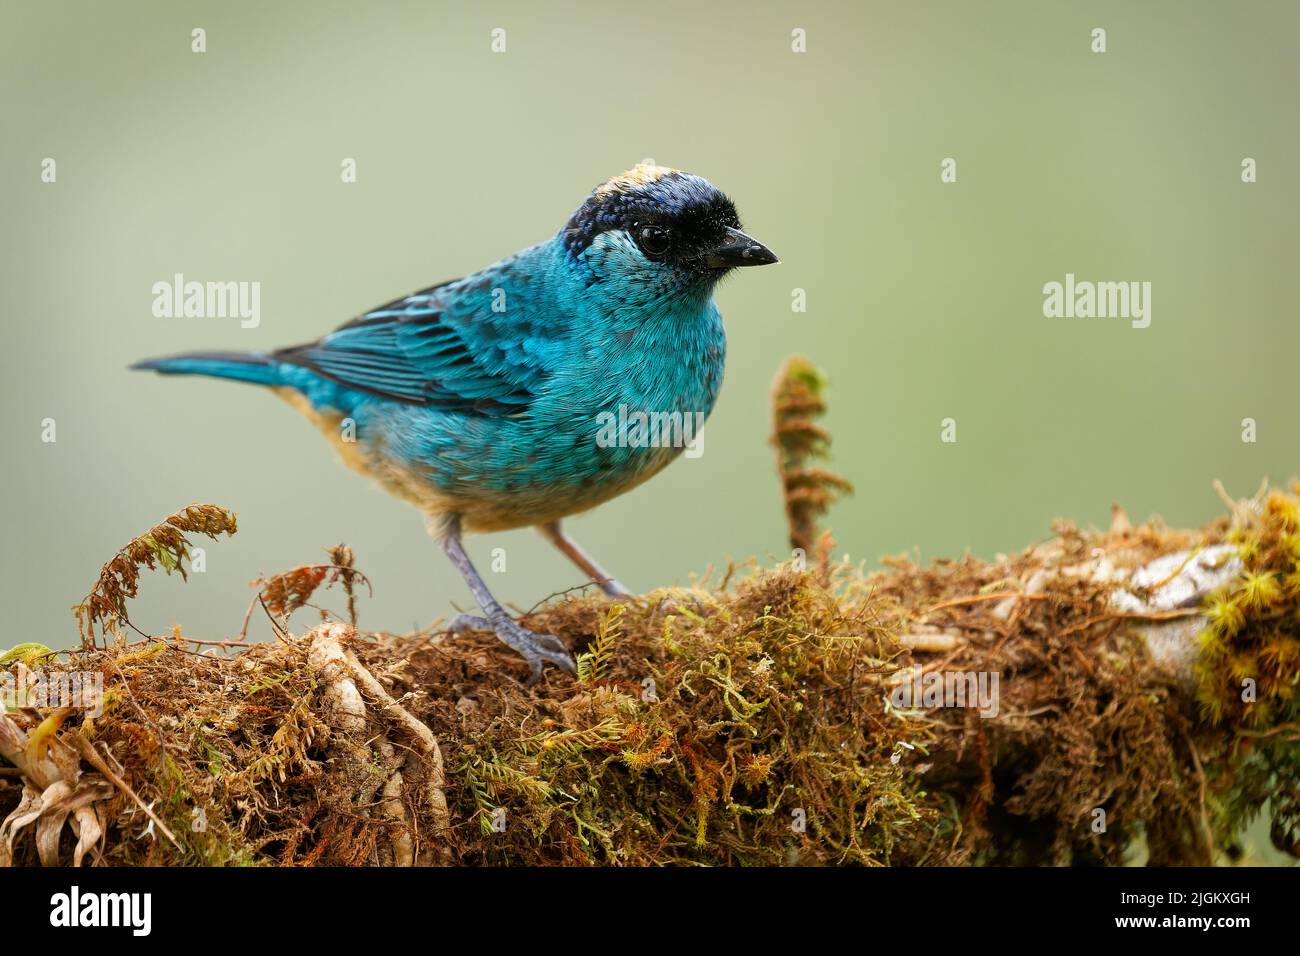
column 638, row 175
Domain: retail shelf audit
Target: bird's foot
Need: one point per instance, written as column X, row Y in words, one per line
column 531, row 646
column 464, row 623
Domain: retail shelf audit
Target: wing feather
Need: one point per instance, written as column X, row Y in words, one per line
column 444, row 347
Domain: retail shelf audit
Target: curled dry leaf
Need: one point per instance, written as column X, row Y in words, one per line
column 56, row 792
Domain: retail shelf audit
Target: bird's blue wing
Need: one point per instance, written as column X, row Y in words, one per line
column 479, row 345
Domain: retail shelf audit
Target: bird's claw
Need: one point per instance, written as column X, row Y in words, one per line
column 463, row 623
column 531, row 646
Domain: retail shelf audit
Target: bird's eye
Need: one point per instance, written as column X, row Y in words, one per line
column 653, row 240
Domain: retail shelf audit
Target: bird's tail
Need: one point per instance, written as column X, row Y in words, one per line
column 239, row 366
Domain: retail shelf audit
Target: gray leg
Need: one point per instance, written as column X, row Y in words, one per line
column 534, row 648
column 554, row 534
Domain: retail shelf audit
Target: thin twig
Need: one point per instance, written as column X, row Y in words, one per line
column 1206, row 832
column 1280, row 728
column 1132, row 616
column 977, row 598
column 248, row 614
column 1177, row 571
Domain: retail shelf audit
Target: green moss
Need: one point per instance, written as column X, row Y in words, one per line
column 1249, row 676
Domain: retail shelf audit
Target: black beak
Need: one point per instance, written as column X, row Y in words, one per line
column 739, row 249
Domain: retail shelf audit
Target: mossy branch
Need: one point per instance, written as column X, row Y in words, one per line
column 754, row 724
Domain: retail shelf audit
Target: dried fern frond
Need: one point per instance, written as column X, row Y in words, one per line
column 290, row 590
column 162, row 545
column 809, row 491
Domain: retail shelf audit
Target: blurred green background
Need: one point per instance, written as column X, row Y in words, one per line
column 924, row 300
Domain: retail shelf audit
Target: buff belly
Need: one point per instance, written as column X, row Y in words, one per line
column 480, row 513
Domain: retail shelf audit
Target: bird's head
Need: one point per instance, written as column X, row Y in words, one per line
column 659, row 226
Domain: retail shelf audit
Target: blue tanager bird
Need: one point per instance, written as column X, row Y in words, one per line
column 482, row 400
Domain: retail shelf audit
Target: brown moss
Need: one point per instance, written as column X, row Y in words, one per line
column 751, row 725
